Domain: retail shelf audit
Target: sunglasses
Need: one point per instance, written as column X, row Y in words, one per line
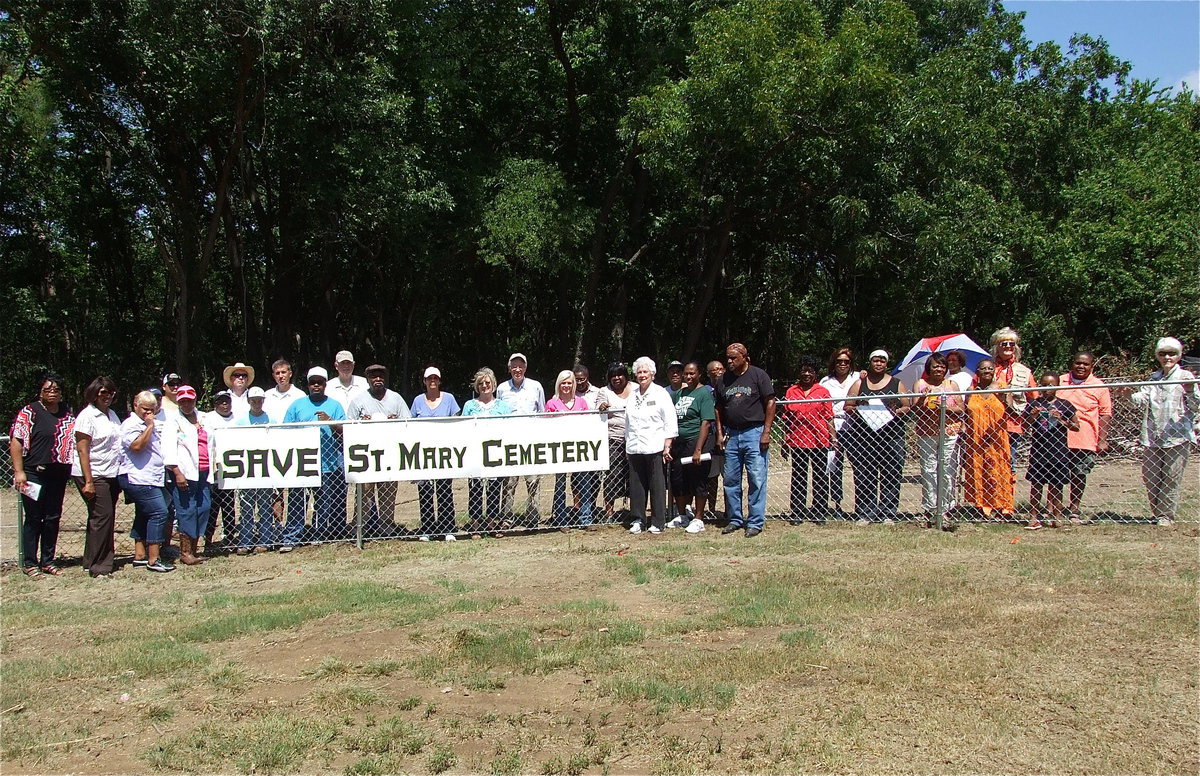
column 175, row 384
column 316, row 381
column 1167, row 353
column 236, row 375
column 841, row 361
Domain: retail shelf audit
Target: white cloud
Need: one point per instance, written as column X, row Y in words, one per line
column 1192, row 79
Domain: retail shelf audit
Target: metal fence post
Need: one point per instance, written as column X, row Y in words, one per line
column 21, row 532
column 358, row 518
column 941, row 455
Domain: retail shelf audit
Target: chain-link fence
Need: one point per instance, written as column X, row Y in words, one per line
column 950, row 457
column 1070, row 455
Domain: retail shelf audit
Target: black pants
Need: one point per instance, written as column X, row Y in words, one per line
column 646, row 477
column 805, row 461
column 877, row 462
column 441, row 519
column 42, row 517
column 221, row 508
column 99, row 549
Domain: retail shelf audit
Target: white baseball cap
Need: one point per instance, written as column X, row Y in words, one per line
column 343, row 355
column 256, row 393
column 433, row 370
column 318, row 371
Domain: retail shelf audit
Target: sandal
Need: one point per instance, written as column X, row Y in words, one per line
column 52, row 570
column 33, row 572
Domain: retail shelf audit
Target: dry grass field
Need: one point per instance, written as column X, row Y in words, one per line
column 807, row 649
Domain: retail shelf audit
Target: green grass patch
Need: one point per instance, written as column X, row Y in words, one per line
column 394, row 735
column 346, row 698
column 586, row 606
column 665, row 694
column 277, row 742
column 804, row 637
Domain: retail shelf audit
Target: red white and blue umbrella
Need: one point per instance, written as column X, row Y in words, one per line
column 912, row 366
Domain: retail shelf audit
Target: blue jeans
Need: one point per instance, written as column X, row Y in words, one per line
column 256, row 512
column 329, row 511
column 585, row 483
column 743, row 450
column 149, row 511
column 192, row 506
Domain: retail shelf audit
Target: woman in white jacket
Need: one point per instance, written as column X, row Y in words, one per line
column 650, row 428
column 185, row 456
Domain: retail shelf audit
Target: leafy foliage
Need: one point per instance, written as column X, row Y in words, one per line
column 190, row 184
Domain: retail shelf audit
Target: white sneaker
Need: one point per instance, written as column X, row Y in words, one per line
column 695, row 526
column 655, row 529
column 423, row 539
column 676, row 522
column 691, row 511
column 888, row 521
column 1165, row 521
column 451, row 538
column 636, row 527
column 862, row 521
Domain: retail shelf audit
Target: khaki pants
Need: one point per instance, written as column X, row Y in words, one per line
column 1162, row 472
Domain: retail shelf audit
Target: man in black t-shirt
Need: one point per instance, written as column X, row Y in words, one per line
column 746, row 409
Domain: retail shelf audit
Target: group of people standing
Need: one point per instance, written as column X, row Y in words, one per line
column 970, row 428
column 680, row 438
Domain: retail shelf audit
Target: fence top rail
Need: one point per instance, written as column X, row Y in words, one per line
column 445, row 419
column 970, row 391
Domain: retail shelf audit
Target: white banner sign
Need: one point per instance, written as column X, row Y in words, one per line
column 266, row 457
column 444, row 448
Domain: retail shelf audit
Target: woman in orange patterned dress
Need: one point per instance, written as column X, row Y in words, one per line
column 987, row 476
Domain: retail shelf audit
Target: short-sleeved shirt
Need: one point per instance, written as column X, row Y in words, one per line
column 693, row 406
column 474, row 407
column 254, row 420
column 526, row 399
column 740, row 398
column 557, row 405
column 807, row 425
column 446, row 408
column 364, row 406
column 276, row 402
column 615, row 420
column 46, row 437
column 1092, row 401
column 344, row 394
column 1046, row 429
column 145, row 466
column 104, row 429
column 304, row 410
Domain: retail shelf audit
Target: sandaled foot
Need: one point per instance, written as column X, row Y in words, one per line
column 33, row 572
column 52, row 570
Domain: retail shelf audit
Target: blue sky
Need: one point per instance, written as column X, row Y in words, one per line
column 1160, row 38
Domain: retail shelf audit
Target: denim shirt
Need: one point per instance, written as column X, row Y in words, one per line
column 1170, row 409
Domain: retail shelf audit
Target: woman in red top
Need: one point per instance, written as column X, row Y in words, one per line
column 808, row 436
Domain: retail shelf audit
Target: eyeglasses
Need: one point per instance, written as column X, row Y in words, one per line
column 1167, row 353
column 316, row 381
column 236, row 375
column 175, row 384
column 106, row 392
column 52, row 389
column 1008, row 344
column 841, row 361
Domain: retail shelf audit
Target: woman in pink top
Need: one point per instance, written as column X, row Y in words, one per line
column 565, row 400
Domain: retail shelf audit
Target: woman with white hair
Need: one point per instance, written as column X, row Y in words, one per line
column 1005, row 345
column 566, row 400
column 1169, row 414
column 650, row 428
